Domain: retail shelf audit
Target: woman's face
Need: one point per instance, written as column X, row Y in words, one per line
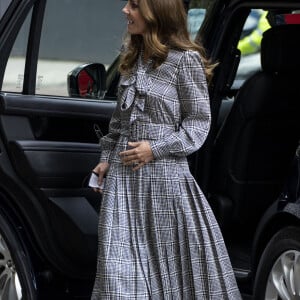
column 136, row 23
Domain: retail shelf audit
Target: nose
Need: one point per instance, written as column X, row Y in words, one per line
column 125, row 9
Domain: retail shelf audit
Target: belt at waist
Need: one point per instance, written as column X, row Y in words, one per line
column 151, row 131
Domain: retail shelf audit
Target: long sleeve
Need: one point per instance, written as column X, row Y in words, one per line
column 108, row 142
column 195, row 110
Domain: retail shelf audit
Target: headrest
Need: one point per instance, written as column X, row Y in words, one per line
column 280, row 49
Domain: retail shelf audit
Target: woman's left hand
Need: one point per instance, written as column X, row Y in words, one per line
column 139, row 154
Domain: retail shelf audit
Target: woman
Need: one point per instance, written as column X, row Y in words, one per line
column 158, row 238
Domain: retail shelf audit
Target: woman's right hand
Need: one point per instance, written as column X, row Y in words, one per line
column 101, row 169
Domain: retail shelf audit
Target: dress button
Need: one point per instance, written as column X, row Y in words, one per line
column 124, row 105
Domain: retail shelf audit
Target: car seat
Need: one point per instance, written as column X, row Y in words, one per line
column 257, row 142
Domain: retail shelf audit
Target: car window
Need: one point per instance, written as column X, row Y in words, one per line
column 3, row 6
column 256, row 24
column 14, row 73
column 195, row 16
column 77, row 33
column 249, row 44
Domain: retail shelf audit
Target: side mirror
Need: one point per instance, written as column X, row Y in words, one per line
column 87, row 81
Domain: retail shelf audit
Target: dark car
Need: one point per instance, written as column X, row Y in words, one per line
column 58, row 84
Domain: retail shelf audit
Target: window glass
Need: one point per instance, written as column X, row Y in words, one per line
column 196, row 13
column 3, row 6
column 14, row 72
column 79, row 32
column 257, row 23
column 249, row 44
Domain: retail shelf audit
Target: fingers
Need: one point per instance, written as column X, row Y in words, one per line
column 128, row 154
column 139, row 154
column 134, row 144
column 97, row 190
column 132, row 149
column 132, row 159
column 138, row 166
column 100, row 170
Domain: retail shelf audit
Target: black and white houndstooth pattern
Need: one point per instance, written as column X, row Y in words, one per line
column 158, row 238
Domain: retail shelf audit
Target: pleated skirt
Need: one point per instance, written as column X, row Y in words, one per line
column 158, row 237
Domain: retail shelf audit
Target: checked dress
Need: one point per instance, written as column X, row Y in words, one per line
column 158, row 238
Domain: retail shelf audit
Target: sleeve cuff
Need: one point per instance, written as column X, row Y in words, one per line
column 105, row 155
column 159, row 149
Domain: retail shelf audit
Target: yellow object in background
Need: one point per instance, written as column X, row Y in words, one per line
column 251, row 43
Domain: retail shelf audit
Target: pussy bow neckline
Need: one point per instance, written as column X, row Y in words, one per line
column 137, row 83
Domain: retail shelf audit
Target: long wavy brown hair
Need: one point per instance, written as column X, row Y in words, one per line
column 166, row 22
